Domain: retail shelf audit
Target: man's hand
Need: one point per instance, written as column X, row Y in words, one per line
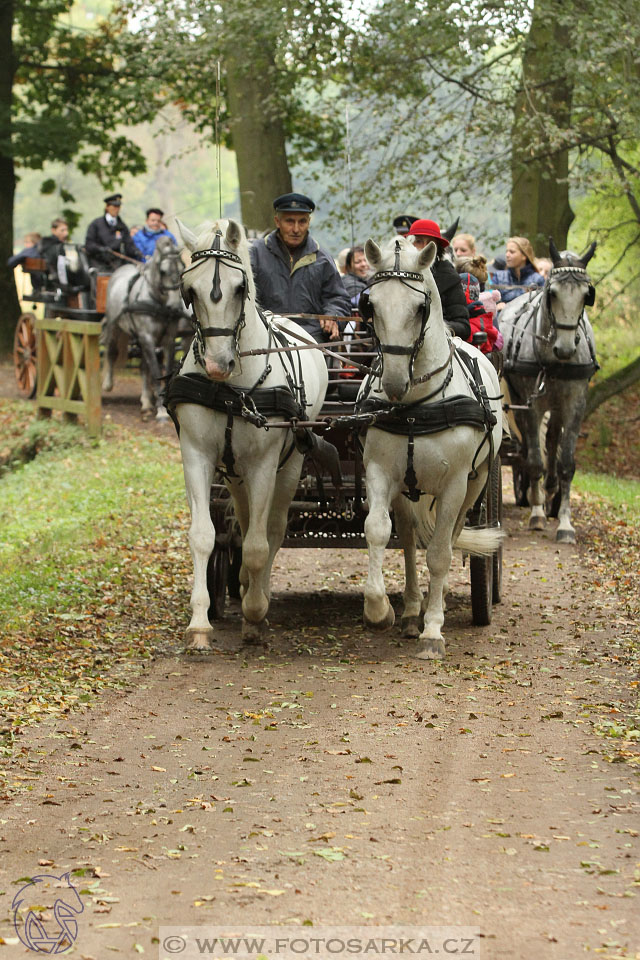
column 330, row 327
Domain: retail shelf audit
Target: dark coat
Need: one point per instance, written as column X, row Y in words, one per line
column 354, row 286
column 101, row 234
column 305, row 283
column 454, row 303
column 529, row 277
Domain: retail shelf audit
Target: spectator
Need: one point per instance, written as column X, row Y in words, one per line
column 107, row 236
column 357, row 274
column 520, row 272
column 454, row 304
column 293, row 275
column 147, row 236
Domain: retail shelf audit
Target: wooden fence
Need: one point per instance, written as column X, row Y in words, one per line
column 68, row 376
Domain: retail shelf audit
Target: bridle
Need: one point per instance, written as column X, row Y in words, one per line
column 367, row 312
column 563, row 275
column 229, row 259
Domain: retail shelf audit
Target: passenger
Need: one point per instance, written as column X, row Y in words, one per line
column 52, row 247
column 147, row 236
column 31, row 249
column 109, row 233
column 293, row 275
column 358, row 271
column 454, row 305
column 520, row 272
column 544, row 266
column 464, row 245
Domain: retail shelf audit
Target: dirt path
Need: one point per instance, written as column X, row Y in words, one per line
column 332, row 779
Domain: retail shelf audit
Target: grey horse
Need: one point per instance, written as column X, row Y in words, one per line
column 145, row 304
column 549, row 358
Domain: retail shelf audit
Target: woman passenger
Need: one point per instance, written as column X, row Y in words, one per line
column 454, row 304
column 520, row 271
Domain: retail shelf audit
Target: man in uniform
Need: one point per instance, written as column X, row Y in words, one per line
column 146, row 238
column 109, row 233
column 293, row 275
column 402, row 224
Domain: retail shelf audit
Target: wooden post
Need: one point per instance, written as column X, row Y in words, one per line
column 68, row 360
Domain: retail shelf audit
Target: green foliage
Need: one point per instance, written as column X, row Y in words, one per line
column 616, row 496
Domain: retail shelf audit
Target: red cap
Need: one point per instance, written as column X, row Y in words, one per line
column 428, row 228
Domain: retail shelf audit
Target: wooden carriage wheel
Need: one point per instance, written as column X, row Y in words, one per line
column 495, row 519
column 481, row 571
column 217, row 579
column 24, row 355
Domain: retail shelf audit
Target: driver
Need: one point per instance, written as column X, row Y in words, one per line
column 107, row 233
column 294, row 275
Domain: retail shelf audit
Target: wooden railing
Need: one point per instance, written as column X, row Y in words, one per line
column 68, row 375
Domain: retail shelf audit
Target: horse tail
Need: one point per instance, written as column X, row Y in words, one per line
column 478, row 541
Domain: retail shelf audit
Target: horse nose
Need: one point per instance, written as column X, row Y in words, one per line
column 563, row 353
column 217, row 371
column 395, row 390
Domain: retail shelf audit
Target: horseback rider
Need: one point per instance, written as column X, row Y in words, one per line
column 109, row 233
column 293, row 275
column 454, row 304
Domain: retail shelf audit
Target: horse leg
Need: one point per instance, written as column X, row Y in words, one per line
column 378, row 612
column 198, row 468
column 405, row 527
column 535, row 469
column 169, row 355
column 260, row 485
column 566, row 468
column 110, row 357
column 552, row 438
column 150, row 375
column 439, row 555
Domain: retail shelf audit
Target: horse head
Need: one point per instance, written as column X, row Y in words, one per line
column 402, row 296
column 218, row 284
column 567, row 292
column 167, row 265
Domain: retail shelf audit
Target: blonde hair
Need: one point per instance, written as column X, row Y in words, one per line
column 466, row 238
column 476, row 266
column 524, row 246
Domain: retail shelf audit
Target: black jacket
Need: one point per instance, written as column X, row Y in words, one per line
column 101, row 234
column 454, row 302
column 306, row 283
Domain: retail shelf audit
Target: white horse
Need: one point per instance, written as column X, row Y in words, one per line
column 550, row 356
column 438, row 422
column 214, row 388
column 144, row 303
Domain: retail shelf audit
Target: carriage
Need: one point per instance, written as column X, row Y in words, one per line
column 330, row 504
column 82, row 297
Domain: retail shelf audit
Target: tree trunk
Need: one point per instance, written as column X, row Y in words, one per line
column 540, row 205
column 8, row 295
column 616, row 383
column 258, row 139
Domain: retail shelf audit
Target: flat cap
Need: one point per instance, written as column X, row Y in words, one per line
column 115, row 199
column 293, row 203
column 402, row 224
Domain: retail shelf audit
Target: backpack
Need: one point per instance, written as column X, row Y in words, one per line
column 480, row 320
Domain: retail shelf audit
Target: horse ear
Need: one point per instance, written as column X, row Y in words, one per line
column 234, row 233
column 450, row 232
column 187, row 236
column 427, row 256
column 553, row 251
column 589, row 252
column 372, row 251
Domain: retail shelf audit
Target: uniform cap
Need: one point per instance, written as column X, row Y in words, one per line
column 115, row 199
column 293, row 203
column 403, row 223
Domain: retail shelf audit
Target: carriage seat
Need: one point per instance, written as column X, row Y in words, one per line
column 74, row 272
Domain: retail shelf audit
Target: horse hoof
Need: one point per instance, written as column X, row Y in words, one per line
column 411, row 627
column 536, row 523
column 565, row 536
column 254, row 632
column 384, row 624
column 147, row 415
column 430, row 650
column 198, row 639
column 162, row 416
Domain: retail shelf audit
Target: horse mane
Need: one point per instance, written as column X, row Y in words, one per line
column 206, row 232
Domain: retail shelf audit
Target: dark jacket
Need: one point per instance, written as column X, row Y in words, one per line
column 354, row 286
column 101, row 234
column 529, row 277
column 454, row 303
column 308, row 282
column 50, row 249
